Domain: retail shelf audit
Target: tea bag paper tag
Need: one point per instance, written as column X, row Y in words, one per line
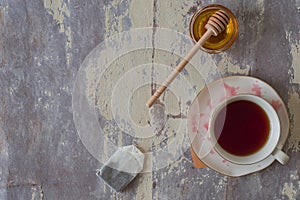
column 122, row 167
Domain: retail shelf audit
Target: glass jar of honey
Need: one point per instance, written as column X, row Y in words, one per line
column 221, row 42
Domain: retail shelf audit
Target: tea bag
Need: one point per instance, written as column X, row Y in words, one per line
column 122, row 167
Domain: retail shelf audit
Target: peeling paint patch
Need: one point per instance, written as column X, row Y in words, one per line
column 58, row 9
column 115, row 24
column 144, row 191
column 295, row 62
column 289, row 190
column 173, row 14
column 141, row 13
column 68, row 33
column 68, row 57
column 37, row 192
column 294, row 108
column 226, row 65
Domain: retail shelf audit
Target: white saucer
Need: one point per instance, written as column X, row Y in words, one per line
column 201, row 109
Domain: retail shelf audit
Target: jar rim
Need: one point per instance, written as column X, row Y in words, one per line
column 213, row 7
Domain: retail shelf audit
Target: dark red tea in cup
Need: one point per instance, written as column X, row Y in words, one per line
column 245, row 129
column 242, row 128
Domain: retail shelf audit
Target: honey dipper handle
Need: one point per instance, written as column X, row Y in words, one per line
column 179, row 67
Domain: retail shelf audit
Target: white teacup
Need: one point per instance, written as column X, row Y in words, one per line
column 270, row 145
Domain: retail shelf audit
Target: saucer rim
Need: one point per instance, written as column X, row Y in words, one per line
column 283, row 140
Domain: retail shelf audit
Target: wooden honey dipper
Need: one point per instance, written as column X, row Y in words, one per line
column 215, row 25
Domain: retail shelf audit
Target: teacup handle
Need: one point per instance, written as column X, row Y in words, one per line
column 280, row 156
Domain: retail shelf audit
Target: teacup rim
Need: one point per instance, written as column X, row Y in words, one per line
column 267, row 152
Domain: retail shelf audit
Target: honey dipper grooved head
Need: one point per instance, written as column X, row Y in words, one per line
column 217, row 22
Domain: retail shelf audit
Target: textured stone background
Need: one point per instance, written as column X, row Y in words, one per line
column 42, row 45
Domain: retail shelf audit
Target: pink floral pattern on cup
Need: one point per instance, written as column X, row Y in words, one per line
column 256, row 89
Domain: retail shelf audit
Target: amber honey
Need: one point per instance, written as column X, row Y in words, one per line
column 223, row 40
